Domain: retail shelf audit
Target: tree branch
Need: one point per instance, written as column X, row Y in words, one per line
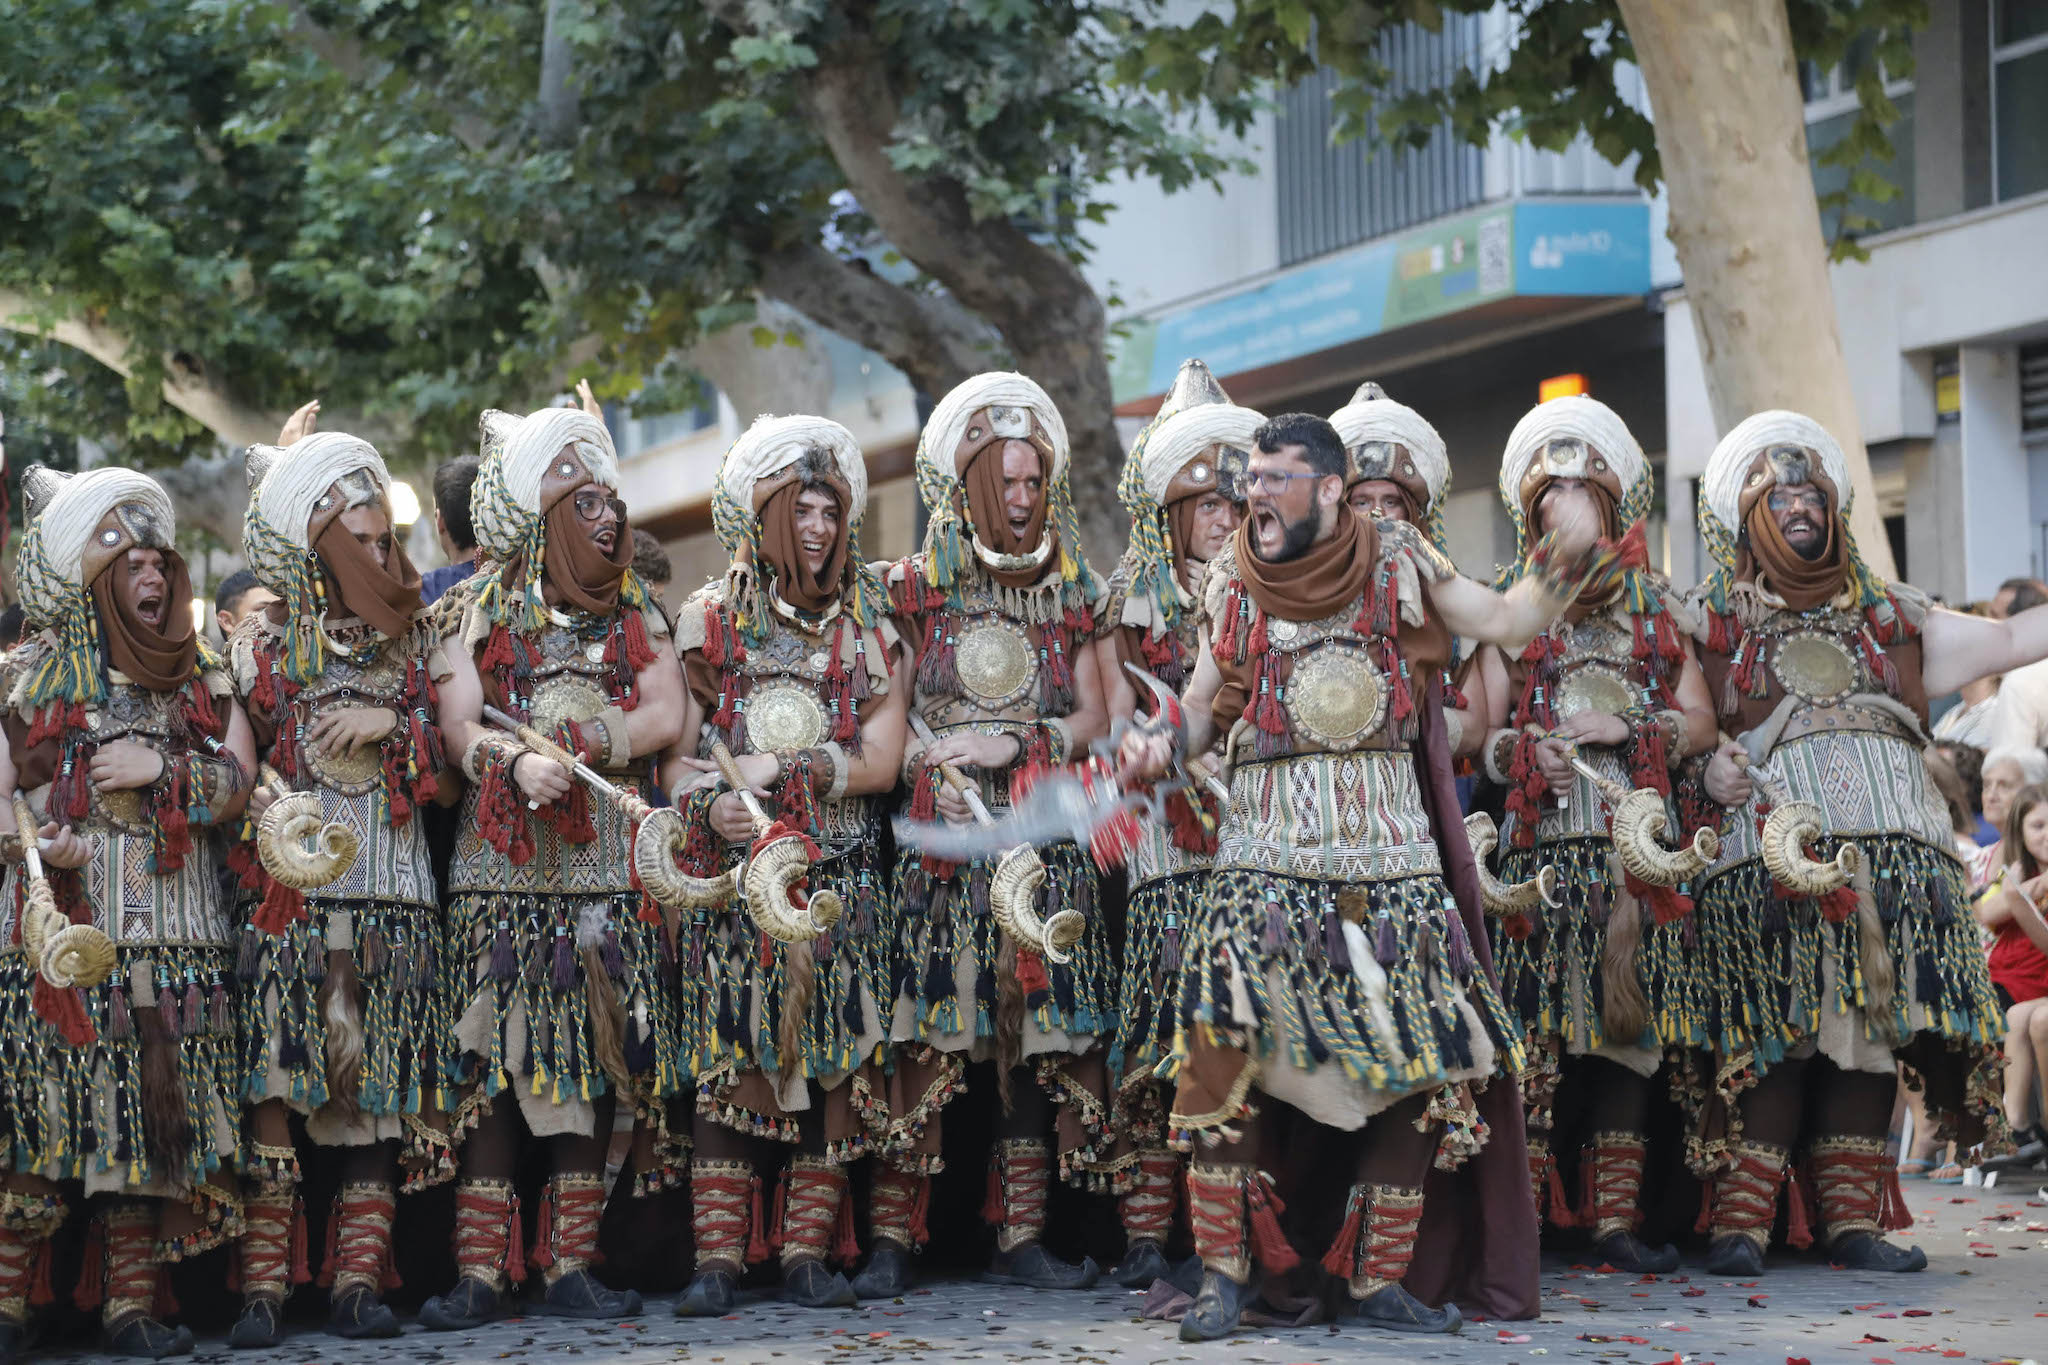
column 932, row 340
column 347, row 55
column 187, row 385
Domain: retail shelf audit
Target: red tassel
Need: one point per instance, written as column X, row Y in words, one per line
column 757, row 1239
column 1705, row 1221
column 845, row 1246
column 1892, row 1213
column 41, row 1292
column 61, row 1008
column 1031, row 977
column 497, row 651
column 1798, row 1211
column 515, row 1255
column 91, row 1290
column 1224, row 645
column 992, row 1201
column 1561, row 1215
column 1635, row 547
column 920, row 1210
column 300, row 1272
column 1269, row 1243
column 543, row 1254
column 166, row 1300
column 282, row 907
column 1839, row 905
column 1342, row 1257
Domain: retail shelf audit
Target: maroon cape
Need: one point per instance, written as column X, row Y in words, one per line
column 1477, row 1243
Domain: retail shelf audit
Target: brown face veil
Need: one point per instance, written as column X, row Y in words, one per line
column 1803, row 583
column 159, row 658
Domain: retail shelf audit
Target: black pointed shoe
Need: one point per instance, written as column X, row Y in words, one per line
column 1031, row 1264
column 1218, row 1307
column 1868, row 1251
column 813, row 1284
column 580, row 1294
column 471, row 1303
column 1626, row 1251
column 260, row 1325
column 358, row 1315
column 1735, row 1256
column 886, row 1275
column 146, row 1338
column 1395, row 1309
column 710, row 1295
column 1143, row 1263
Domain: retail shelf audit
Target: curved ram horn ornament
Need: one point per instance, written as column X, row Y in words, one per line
column 1788, row 829
column 657, row 843
column 1012, row 898
column 299, row 847
column 66, row 954
column 1506, row 898
column 777, row 907
column 1640, row 824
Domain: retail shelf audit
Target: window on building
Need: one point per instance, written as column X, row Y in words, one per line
column 2019, row 98
column 1831, row 110
column 2034, row 391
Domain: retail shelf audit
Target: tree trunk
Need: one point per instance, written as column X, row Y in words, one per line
column 1731, row 132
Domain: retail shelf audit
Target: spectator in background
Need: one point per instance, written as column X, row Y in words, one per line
column 238, row 595
column 1969, row 720
column 452, row 527
column 1968, row 761
column 652, row 566
column 2006, row 773
column 2019, row 716
column 11, row 622
column 2010, row 909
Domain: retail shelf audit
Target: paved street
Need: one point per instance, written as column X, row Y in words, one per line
column 1982, row 1299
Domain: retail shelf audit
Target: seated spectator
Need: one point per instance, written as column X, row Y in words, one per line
column 2006, row 772
column 2011, row 909
column 1968, row 761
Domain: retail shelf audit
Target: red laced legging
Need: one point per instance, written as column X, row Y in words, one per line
column 1019, row 1175
column 359, row 1240
column 1147, row 1207
column 726, row 1214
column 26, row 1224
column 487, row 1233
column 898, row 1206
column 132, row 1269
column 1745, row 1196
column 1236, row 1217
column 1374, row 1246
column 1614, row 1182
column 814, row 1214
column 570, row 1215
column 273, row 1242
column 1858, row 1187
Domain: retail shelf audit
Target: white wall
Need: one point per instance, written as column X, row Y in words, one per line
column 1158, row 248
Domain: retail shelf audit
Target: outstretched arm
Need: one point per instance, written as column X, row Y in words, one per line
column 1958, row 649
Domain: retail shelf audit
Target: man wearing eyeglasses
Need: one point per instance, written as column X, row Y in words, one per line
column 1338, row 963
column 555, row 974
column 1822, row 969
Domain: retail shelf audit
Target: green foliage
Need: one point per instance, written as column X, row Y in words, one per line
column 1553, row 80
column 369, row 201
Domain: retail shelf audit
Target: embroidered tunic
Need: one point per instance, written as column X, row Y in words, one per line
column 1619, row 663
column 384, row 911
column 1000, row 661
column 801, row 687
column 1829, row 702
column 78, row 1108
column 559, row 973
column 1328, row 964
